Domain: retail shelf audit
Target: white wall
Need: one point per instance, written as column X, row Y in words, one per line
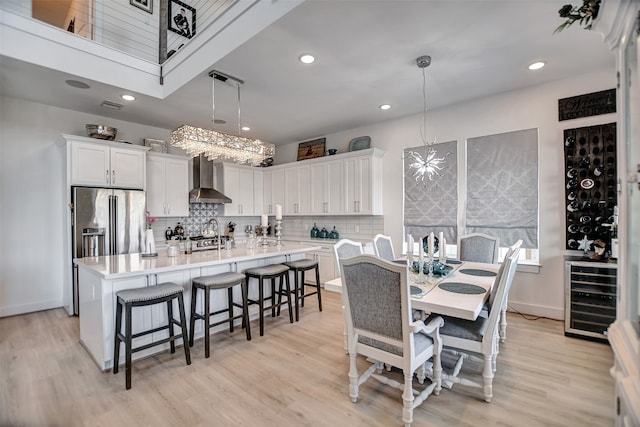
column 32, row 194
column 32, row 190
column 534, row 107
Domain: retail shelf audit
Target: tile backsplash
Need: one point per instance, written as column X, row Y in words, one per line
column 351, row 227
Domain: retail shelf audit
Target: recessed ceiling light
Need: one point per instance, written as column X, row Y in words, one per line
column 77, row 84
column 246, row 128
column 385, row 106
column 536, row 65
column 306, row 58
column 128, row 97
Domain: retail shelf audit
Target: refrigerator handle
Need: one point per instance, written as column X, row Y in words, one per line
column 113, row 224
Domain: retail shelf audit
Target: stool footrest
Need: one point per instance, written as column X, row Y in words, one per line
column 239, row 316
column 151, row 331
column 155, row 343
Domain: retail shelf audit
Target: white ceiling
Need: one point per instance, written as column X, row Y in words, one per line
column 366, row 52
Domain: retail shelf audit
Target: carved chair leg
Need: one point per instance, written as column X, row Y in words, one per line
column 407, row 399
column 503, row 325
column 487, row 376
column 353, row 377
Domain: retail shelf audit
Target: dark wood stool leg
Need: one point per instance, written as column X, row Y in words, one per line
column 303, row 289
column 116, row 344
column 273, row 297
column 245, row 308
column 286, row 278
column 296, row 292
column 261, row 304
column 127, row 346
column 170, row 320
column 207, row 313
column 230, row 300
column 318, row 287
column 192, row 320
column 183, row 325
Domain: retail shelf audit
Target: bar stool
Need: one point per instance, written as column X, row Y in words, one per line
column 140, row 297
column 298, row 268
column 218, row 281
column 273, row 272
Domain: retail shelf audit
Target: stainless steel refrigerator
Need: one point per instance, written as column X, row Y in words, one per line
column 105, row 221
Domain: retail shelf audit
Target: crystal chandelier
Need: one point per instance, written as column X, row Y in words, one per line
column 427, row 165
column 218, row 145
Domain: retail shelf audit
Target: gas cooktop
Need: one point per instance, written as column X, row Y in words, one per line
column 201, row 243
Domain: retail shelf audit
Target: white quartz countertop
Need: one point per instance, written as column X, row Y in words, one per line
column 119, row 266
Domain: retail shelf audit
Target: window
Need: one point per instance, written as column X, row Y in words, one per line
column 432, row 206
column 499, row 196
column 502, row 187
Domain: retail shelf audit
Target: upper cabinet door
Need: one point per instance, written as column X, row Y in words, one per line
column 267, row 193
column 277, row 190
column 127, row 168
column 327, row 195
column 90, row 165
column 177, row 187
column 297, row 198
column 167, row 185
column 239, row 184
column 363, row 185
column 156, row 186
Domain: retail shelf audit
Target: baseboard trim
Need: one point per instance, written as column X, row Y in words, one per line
column 537, row 310
column 15, row 310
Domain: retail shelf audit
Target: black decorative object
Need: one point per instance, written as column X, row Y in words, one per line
column 146, row 5
column 182, row 18
column 590, row 104
column 584, row 14
column 590, row 196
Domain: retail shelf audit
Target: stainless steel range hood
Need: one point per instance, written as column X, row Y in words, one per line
column 203, row 191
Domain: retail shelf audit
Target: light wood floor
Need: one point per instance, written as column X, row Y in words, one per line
column 296, row 375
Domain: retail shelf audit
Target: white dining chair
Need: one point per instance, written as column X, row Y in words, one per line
column 346, row 248
column 503, row 312
column 383, row 247
column 377, row 312
column 478, row 247
column 478, row 340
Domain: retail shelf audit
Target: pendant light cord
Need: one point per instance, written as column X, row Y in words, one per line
column 239, row 127
column 423, row 131
column 213, row 103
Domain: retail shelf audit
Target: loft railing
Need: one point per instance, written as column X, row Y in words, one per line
column 148, row 29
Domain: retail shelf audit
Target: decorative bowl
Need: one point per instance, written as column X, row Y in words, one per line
column 101, row 132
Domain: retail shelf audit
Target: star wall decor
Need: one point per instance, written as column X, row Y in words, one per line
column 584, row 243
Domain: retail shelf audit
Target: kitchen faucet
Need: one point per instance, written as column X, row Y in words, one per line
column 217, row 230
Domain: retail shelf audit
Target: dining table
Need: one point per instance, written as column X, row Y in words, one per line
column 460, row 293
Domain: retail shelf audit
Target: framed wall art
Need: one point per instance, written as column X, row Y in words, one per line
column 146, row 5
column 311, row 149
column 182, row 18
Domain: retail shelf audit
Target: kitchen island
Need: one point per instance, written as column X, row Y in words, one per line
column 99, row 279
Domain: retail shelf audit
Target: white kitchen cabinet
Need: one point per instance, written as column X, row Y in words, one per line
column 267, row 192
column 273, row 190
column 167, row 185
column 326, row 265
column 243, row 185
column 347, row 184
column 619, row 26
column 106, row 164
column 327, row 181
column 297, row 195
column 363, row 184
